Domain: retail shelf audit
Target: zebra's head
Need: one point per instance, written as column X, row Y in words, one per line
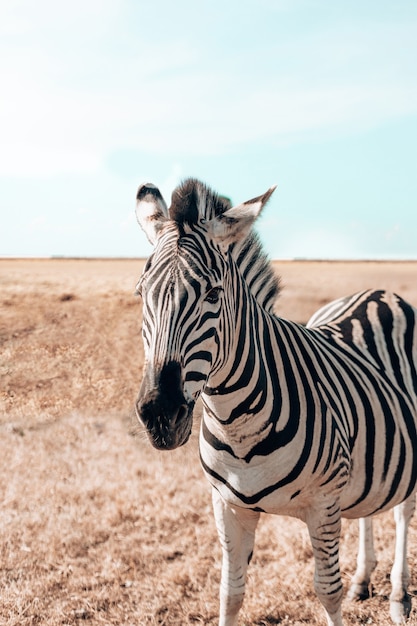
column 185, row 289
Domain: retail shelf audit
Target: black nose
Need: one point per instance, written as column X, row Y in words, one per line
column 170, row 383
column 163, row 386
column 155, row 411
column 162, row 407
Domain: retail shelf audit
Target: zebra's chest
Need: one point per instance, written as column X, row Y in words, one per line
column 287, row 480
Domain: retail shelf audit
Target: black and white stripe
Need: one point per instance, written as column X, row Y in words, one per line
column 317, row 422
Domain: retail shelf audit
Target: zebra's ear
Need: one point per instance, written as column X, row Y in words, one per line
column 151, row 210
column 234, row 224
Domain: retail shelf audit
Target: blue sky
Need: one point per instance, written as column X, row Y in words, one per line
column 318, row 97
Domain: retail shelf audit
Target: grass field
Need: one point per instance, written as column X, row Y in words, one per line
column 96, row 526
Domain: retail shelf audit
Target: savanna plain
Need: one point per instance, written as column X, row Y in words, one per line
column 97, row 527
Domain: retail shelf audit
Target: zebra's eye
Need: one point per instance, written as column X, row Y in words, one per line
column 212, row 297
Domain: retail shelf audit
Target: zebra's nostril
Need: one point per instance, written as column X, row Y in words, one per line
column 181, row 414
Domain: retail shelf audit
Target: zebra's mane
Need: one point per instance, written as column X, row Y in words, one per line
column 192, row 201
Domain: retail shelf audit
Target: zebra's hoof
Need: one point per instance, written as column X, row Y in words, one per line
column 400, row 610
column 358, row 592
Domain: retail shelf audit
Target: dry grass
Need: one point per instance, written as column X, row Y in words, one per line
column 99, row 528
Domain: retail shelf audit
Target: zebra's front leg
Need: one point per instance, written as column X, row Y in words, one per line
column 324, row 527
column 366, row 561
column 400, row 602
column 236, row 529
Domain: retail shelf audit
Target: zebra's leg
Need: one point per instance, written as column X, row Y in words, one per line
column 236, row 528
column 400, row 602
column 324, row 527
column 366, row 561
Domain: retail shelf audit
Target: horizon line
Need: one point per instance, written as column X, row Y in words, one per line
column 62, row 257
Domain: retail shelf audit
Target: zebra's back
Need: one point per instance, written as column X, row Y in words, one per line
column 379, row 325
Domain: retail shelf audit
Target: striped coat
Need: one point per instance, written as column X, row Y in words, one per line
column 317, row 422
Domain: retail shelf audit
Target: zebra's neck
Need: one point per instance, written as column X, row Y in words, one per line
column 246, row 398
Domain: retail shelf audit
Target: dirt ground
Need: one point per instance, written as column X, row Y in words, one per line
column 97, row 527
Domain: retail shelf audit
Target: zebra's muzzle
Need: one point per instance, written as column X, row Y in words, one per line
column 166, row 431
column 164, row 410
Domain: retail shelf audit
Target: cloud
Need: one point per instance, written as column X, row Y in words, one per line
column 83, row 80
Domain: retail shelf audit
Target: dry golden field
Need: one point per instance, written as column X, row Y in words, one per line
column 96, row 526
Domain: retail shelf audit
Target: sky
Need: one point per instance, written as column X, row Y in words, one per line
column 316, row 96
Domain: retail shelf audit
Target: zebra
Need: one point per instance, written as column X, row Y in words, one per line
column 316, row 422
